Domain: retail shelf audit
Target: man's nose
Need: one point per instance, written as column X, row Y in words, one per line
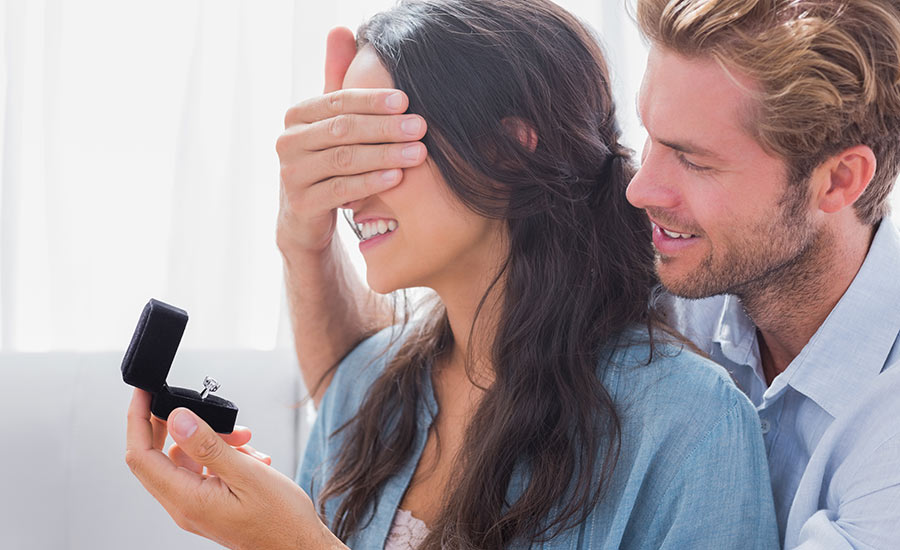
column 651, row 186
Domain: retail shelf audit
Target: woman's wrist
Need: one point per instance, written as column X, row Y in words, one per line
column 324, row 539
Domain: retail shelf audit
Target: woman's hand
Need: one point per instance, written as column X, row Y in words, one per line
column 237, row 439
column 241, row 504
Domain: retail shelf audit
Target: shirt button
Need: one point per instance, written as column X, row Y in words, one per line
column 764, row 424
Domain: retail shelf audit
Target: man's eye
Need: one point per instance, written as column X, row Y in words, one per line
column 690, row 165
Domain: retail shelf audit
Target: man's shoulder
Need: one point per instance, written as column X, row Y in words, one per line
column 871, row 420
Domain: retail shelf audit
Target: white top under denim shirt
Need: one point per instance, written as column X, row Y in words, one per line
column 831, row 420
column 691, row 473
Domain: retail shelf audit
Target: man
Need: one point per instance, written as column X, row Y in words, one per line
column 774, row 141
column 773, row 146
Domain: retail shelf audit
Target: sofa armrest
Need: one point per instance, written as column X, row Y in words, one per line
column 63, row 475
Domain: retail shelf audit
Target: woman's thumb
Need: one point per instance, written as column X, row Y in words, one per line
column 201, row 443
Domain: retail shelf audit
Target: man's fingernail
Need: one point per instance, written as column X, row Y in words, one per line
column 390, row 176
column 411, row 126
column 411, row 152
column 395, row 100
column 184, row 424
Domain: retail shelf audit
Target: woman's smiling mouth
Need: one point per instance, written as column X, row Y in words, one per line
column 372, row 228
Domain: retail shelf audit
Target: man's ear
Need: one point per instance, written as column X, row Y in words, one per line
column 844, row 177
column 522, row 130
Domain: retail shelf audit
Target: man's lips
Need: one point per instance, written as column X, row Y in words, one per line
column 671, row 231
column 669, row 242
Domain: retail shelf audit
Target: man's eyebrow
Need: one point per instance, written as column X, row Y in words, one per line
column 689, row 148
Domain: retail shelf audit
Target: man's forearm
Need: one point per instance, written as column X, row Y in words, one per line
column 331, row 310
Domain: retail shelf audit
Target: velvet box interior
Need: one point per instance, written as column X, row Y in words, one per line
column 149, row 358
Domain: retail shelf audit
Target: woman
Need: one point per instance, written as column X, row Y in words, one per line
column 539, row 402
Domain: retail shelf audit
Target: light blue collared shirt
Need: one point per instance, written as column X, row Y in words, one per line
column 691, row 472
column 831, row 420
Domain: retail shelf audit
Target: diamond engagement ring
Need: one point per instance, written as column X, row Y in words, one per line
column 209, row 385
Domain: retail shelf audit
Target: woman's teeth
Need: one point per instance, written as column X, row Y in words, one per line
column 368, row 230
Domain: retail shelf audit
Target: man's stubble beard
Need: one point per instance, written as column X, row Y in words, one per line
column 786, row 256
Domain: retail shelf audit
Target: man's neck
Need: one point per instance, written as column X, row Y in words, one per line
column 792, row 306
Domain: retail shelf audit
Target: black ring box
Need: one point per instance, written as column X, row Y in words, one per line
column 149, row 358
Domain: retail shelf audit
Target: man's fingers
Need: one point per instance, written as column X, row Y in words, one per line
column 349, row 160
column 337, row 192
column 350, row 129
column 340, row 50
column 364, row 101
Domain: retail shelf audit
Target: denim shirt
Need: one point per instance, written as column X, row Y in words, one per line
column 691, row 473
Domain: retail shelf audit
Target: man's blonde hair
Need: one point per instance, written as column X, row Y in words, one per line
column 828, row 73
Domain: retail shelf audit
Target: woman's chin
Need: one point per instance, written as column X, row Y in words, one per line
column 382, row 285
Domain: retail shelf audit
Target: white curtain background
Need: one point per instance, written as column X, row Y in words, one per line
column 137, row 158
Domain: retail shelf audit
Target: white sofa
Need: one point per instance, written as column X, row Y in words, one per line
column 64, row 484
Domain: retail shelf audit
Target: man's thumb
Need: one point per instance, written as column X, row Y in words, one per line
column 200, row 442
column 339, row 53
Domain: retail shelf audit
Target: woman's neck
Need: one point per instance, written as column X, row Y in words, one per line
column 473, row 328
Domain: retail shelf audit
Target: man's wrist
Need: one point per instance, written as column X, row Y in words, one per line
column 294, row 254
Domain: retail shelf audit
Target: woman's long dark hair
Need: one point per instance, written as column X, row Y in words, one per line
column 485, row 73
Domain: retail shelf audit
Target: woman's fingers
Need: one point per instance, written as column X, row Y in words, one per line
column 153, row 469
column 159, row 432
column 180, row 458
column 239, row 436
column 250, row 451
column 199, row 442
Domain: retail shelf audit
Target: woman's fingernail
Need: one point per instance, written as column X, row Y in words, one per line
column 259, row 455
column 184, row 424
column 394, row 101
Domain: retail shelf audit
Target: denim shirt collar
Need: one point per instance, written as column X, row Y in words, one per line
column 849, row 349
column 395, row 487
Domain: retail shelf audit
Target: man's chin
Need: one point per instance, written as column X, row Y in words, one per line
column 692, row 285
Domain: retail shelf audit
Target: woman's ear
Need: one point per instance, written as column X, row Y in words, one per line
column 844, row 177
column 522, row 130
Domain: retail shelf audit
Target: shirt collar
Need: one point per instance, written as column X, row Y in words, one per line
column 849, row 348
column 735, row 333
column 852, row 345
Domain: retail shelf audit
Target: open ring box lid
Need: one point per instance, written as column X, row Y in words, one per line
column 149, row 358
